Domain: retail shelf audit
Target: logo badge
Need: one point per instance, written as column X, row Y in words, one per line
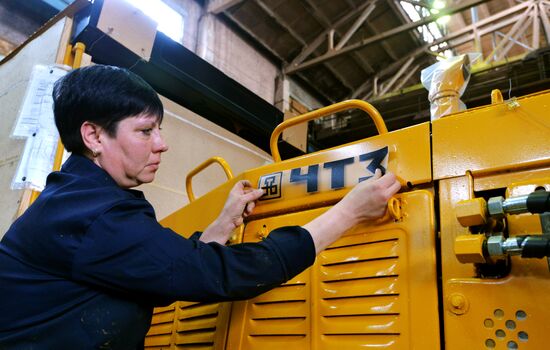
column 271, row 184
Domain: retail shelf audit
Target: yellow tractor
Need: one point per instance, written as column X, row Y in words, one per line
column 459, row 262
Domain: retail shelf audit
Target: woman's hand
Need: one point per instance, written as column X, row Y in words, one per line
column 368, row 200
column 239, row 204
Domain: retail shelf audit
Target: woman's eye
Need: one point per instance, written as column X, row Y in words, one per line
column 147, row 131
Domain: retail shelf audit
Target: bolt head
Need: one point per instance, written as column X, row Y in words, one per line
column 495, row 207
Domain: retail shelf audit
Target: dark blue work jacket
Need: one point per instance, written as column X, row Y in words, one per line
column 87, row 262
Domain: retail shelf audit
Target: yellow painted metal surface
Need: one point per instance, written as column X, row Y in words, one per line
column 408, row 156
column 377, row 286
column 493, row 138
column 358, row 294
column 471, row 212
column 469, row 248
column 192, row 325
column 501, row 312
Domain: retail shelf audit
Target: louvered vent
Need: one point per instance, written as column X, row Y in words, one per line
column 196, row 325
column 350, row 299
column 278, row 318
column 160, row 333
column 359, row 292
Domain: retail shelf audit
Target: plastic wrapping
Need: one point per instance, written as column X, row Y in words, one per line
column 446, row 81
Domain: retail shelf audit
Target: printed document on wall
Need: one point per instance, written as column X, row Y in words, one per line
column 36, row 123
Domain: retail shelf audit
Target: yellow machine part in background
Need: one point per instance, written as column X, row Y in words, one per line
column 395, row 283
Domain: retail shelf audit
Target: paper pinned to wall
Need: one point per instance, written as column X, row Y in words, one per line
column 36, row 111
column 36, row 123
column 36, row 162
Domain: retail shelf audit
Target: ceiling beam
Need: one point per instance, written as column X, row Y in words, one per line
column 536, row 28
column 407, row 77
column 396, row 76
column 511, row 33
column 280, row 21
column 400, row 12
column 448, row 38
column 242, row 27
column 419, row 3
column 494, row 28
column 239, row 24
column 545, row 22
column 358, row 23
column 514, row 37
column 219, row 6
column 311, row 47
column 387, row 34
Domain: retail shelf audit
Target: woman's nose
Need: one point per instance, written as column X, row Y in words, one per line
column 160, row 145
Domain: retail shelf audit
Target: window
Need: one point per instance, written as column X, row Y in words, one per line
column 433, row 30
column 169, row 21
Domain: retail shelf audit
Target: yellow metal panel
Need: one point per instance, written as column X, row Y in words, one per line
column 163, row 328
column 471, row 212
column 493, row 138
column 408, row 155
column 409, row 158
column 370, row 341
column 158, row 340
column 163, row 317
column 197, row 323
column 365, row 290
column 469, row 248
column 194, row 338
column 197, row 309
column 362, row 324
column 380, row 304
column 504, row 313
column 382, row 267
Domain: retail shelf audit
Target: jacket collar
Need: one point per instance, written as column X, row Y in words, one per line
column 82, row 166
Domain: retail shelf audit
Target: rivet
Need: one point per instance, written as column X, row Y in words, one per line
column 457, row 303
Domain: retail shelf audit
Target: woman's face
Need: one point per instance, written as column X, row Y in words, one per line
column 133, row 156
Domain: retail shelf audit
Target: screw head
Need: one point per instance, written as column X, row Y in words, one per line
column 457, row 304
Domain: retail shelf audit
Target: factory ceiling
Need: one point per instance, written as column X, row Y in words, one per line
column 375, row 49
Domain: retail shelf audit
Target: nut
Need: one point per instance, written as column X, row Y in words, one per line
column 494, row 246
column 471, row 212
column 469, row 248
column 495, row 207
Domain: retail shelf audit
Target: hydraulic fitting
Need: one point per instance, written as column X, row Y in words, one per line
column 471, row 212
column 536, row 202
column 478, row 249
column 469, row 248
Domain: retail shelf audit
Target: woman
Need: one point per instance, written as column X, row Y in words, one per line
column 87, row 262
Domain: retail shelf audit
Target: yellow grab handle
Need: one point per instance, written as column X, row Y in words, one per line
column 321, row 112
column 496, row 96
column 394, row 208
column 219, row 160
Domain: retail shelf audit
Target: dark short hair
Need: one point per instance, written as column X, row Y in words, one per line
column 103, row 95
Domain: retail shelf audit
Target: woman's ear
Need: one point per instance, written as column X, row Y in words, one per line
column 90, row 133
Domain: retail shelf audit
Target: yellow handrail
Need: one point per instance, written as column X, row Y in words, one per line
column 188, row 179
column 496, row 96
column 321, row 112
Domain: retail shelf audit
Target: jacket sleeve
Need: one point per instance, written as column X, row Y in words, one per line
column 125, row 250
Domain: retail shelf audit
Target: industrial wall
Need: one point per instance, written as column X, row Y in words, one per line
column 191, row 138
column 14, row 78
column 217, row 44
